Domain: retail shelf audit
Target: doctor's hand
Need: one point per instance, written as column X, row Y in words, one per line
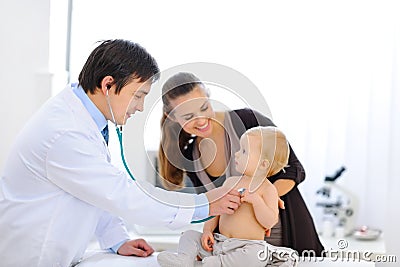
column 136, row 247
column 223, row 201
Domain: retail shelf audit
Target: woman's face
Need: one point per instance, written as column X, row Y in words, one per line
column 193, row 112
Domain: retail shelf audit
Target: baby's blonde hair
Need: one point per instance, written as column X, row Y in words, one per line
column 274, row 147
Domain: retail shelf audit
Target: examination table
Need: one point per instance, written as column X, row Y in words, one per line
column 106, row 259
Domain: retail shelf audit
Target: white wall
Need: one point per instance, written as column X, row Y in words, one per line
column 24, row 53
column 392, row 216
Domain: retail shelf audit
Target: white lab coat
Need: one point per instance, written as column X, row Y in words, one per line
column 59, row 188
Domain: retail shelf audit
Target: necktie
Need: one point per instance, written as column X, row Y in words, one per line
column 104, row 132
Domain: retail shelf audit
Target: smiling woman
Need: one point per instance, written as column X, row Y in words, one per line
column 188, row 107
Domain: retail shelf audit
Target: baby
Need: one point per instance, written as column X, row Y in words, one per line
column 264, row 151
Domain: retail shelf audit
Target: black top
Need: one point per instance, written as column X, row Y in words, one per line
column 298, row 230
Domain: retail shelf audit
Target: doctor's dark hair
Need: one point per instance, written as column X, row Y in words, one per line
column 123, row 60
column 173, row 137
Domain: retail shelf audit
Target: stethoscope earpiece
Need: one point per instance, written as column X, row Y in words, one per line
column 109, row 107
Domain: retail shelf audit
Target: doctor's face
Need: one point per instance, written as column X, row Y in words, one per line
column 193, row 112
column 129, row 100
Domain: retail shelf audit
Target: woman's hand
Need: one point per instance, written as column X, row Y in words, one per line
column 281, row 203
column 136, row 247
column 268, row 232
column 207, row 240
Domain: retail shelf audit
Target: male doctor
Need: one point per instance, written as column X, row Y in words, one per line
column 58, row 188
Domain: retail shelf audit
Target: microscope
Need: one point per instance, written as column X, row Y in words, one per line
column 339, row 207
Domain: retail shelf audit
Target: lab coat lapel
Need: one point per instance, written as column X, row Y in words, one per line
column 82, row 114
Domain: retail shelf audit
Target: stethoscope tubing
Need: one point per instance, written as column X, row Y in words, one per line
column 119, row 134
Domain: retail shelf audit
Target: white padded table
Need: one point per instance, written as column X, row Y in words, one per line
column 106, row 259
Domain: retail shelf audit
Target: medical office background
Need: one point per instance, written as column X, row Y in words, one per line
column 329, row 71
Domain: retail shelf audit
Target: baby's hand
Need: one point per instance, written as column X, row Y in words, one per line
column 250, row 197
column 207, row 241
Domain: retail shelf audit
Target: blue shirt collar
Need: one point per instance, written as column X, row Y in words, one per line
column 94, row 112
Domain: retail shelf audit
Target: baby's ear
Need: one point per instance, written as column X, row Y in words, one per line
column 264, row 164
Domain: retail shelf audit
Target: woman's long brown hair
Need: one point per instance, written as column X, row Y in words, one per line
column 173, row 137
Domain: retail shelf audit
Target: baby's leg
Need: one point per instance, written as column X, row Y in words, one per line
column 188, row 249
column 235, row 252
column 190, row 244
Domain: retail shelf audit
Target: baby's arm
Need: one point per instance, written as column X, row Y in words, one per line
column 207, row 238
column 265, row 205
column 210, row 225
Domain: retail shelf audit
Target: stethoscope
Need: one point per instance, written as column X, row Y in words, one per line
column 119, row 134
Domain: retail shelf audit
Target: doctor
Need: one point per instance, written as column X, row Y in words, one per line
column 58, row 188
